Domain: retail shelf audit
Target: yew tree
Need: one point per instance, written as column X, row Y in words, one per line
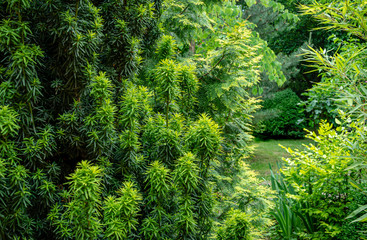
column 125, row 119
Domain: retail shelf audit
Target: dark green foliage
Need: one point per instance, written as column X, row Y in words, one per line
column 128, row 28
column 320, row 105
column 281, row 116
column 287, row 33
column 105, row 131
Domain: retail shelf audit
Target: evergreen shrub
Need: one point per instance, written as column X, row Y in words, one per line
column 110, row 130
column 280, row 117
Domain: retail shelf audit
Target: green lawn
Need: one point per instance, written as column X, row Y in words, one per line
column 269, row 151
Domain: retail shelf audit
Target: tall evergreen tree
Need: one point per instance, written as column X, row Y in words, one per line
column 114, row 116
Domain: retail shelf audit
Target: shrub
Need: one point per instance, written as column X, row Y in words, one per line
column 320, row 180
column 320, row 104
column 236, row 227
column 280, row 117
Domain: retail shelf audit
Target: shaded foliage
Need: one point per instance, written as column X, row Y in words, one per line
column 282, row 116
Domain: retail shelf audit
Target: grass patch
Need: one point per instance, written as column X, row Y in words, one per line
column 269, row 152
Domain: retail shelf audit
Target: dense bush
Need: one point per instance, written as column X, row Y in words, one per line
column 281, row 116
column 105, row 131
column 315, row 192
column 322, row 190
column 320, row 105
